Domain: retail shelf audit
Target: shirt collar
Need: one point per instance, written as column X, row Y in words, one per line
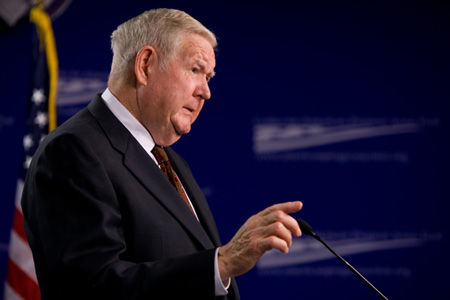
column 139, row 132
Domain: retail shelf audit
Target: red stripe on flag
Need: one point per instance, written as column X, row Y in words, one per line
column 23, row 285
column 18, row 224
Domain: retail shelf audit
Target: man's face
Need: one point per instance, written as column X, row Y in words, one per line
column 173, row 99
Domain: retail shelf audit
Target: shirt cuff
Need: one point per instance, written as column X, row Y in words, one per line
column 220, row 288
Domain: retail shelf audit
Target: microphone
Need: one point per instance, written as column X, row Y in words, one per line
column 307, row 229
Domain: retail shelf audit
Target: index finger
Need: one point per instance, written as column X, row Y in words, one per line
column 288, row 207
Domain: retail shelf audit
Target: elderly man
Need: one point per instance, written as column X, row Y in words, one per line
column 111, row 211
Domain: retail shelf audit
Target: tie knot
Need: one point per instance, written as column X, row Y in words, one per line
column 160, row 154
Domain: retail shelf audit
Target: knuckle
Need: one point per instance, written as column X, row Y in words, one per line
column 278, row 214
column 272, row 241
column 278, row 226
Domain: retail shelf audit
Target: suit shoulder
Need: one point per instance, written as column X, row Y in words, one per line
column 82, row 125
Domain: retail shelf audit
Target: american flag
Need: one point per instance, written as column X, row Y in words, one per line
column 21, row 282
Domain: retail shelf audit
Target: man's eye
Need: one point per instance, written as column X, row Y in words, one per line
column 194, row 70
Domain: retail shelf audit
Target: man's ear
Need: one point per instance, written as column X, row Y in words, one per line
column 145, row 61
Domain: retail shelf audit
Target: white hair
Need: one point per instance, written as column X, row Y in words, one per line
column 161, row 28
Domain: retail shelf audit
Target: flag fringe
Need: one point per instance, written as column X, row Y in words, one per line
column 44, row 25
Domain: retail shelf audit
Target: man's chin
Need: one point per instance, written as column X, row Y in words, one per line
column 182, row 130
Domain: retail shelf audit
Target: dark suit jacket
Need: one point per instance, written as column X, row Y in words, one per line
column 104, row 222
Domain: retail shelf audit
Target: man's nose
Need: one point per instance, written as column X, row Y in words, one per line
column 203, row 92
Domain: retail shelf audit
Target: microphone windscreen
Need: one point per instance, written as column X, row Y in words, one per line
column 305, row 227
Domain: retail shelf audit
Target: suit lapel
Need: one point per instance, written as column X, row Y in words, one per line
column 139, row 163
column 195, row 195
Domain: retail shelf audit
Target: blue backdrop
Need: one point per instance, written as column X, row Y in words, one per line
column 343, row 106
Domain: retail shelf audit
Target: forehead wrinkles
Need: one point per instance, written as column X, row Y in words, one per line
column 205, row 62
column 199, row 50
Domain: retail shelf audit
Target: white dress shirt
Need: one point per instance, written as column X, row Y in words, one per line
column 145, row 139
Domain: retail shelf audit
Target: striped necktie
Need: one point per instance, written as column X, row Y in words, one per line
column 164, row 163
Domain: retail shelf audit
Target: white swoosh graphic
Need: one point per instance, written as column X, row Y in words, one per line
column 332, row 136
column 78, row 90
column 303, row 253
